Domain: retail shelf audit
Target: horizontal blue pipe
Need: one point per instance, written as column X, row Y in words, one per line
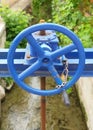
column 71, row 55
column 18, row 55
column 72, row 58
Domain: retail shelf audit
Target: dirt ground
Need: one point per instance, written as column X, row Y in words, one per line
column 61, row 117
column 21, row 110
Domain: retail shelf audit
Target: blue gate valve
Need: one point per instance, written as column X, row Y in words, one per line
column 45, row 58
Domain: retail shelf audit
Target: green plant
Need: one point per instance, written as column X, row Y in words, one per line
column 8, row 81
column 41, row 9
column 15, row 21
column 77, row 16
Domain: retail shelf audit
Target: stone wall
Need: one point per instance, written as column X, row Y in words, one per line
column 2, row 33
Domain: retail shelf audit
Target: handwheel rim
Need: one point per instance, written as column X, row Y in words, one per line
column 46, row 26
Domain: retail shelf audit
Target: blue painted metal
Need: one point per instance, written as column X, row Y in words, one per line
column 21, row 64
column 19, row 56
column 48, row 42
column 46, row 57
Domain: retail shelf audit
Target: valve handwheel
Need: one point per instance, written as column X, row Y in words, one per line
column 45, row 59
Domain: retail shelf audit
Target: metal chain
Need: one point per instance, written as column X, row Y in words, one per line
column 64, row 74
column 65, row 70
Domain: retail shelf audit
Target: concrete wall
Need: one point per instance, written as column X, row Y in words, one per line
column 2, row 33
column 8, row 2
column 85, row 91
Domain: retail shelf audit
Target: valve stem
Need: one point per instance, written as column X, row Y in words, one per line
column 42, row 32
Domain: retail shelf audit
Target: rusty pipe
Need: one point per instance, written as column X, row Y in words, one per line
column 43, row 104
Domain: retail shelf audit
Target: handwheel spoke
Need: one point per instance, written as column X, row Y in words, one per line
column 35, row 45
column 44, row 58
column 63, row 51
column 55, row 74
column 30, row 70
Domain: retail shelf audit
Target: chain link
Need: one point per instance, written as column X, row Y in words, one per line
column 65, row 70
column 64, row 74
